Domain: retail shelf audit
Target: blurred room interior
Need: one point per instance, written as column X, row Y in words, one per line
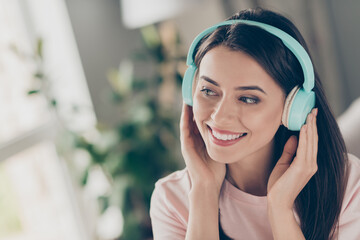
column 90, row 102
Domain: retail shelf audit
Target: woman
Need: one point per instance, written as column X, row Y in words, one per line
column 247, row 175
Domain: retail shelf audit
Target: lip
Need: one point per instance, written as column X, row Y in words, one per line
column 224, row 131
column 223, row 143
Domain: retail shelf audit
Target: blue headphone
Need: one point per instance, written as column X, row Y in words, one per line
column 299, row 102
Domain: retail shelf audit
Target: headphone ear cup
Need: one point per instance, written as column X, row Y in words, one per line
column 300, row 106
column 287, row 106
column 187, row 84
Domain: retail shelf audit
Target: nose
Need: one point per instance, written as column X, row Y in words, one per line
column 224, row 113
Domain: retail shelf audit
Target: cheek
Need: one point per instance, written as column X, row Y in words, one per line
column 201, row 107
column 265, row 121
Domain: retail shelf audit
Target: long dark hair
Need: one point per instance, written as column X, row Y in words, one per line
column 318, row 205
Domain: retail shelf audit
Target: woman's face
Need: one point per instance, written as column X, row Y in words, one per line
column 237, row 106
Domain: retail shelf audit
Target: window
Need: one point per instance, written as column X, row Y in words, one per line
column 37, row 199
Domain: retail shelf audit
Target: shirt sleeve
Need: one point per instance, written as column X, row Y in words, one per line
column 349, row 222
column 165, row 224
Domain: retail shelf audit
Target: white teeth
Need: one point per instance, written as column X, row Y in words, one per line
column 226, row 137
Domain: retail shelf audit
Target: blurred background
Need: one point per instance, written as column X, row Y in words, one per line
column 90, row 102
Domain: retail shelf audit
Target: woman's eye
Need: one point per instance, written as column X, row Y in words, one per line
column 248, row 100
column 208, row 92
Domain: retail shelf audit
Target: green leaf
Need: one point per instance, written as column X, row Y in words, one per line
column 33, row 91
column 84, row 177
column 39, row 49
column 53, row 102
column 150, row 36
column 39, row 75
column 103, row 202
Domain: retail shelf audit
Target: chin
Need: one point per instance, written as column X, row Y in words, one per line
column 221, row 157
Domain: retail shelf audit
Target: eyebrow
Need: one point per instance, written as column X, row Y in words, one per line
column 237, row 88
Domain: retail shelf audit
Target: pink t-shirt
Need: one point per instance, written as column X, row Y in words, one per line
column 242, row 215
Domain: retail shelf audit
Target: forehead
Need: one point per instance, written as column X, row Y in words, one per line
column 235, row 68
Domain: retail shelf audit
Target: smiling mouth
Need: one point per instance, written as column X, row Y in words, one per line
column 225, row 139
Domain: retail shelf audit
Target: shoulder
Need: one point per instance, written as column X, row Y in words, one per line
column 170, row 196
column 353, row 174
column 353, row 167
column 352, row 192
column 349, row 220
column 176, row 184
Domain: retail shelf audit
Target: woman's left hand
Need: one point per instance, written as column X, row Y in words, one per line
column 289, row 175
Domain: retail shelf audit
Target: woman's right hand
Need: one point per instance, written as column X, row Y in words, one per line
column 203, row 170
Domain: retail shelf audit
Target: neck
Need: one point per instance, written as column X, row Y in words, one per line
column 251, row 174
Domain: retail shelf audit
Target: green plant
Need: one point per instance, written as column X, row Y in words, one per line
column 145, row 144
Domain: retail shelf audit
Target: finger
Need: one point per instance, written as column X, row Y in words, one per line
column 183, row 112
column 300, row 153
column 185, row 116
column 185, row 131
column 315, row 135
column 309, row 138
column 289, row 151
column 190, row 112
column 295, row 174
column 182, row 121
column 185, row 136
column 191, row 120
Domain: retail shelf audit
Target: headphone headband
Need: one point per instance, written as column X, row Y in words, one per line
column 292, row 44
